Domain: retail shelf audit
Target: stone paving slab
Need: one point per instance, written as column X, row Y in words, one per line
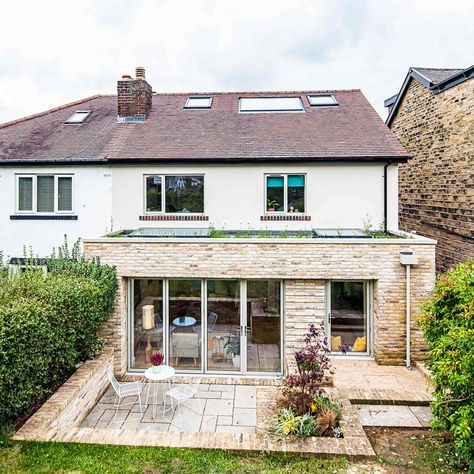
column 394, row 416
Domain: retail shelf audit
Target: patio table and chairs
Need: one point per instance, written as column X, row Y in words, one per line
column 154, row 378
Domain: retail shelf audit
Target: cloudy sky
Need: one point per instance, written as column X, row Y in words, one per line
column 55, row 51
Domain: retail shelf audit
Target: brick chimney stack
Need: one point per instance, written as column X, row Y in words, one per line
column 134, row 97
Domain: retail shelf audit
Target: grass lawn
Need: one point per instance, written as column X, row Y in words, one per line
column 405, row 453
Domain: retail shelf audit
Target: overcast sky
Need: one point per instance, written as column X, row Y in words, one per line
column 55, row 51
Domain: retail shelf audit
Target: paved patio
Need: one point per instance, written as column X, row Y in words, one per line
column 366, row 374
column 218, row 409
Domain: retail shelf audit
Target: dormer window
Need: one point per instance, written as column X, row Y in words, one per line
column 79, row 117
column 322, row 100
column 198, row 103
column 270, row 104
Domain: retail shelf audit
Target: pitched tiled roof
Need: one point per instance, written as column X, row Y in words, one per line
column 351, row 131
column 435, row 79
column 436, row 75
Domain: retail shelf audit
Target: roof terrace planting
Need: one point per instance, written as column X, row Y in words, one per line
column 213, row 233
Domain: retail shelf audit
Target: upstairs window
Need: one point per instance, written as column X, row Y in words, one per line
column 285, row 193
column 174, row 194
column 322, row 100
column 78, row 117
column 198, row 103
column 270, row 104
column 44, row 194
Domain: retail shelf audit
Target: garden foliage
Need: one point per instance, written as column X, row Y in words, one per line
column 48, row 324
column 448, row 323
column 304, row 409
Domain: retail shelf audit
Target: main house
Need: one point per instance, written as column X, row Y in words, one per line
column 234, row 220
column 433, row 116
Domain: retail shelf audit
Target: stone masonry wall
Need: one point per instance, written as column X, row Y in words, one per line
column 304, row 266
column 436, row 186
column 69, row 405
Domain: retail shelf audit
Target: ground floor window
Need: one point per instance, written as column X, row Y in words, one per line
column 348, row 317
column 216, row 325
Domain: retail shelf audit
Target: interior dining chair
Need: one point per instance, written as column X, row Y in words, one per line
column 211, row 323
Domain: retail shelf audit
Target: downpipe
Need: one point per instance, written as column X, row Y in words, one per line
column 408, row 318
column 408, row 259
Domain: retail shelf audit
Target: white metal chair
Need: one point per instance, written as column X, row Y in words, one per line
column 179, row 395
column 123, row 390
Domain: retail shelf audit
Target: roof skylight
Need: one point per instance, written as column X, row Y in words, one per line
column 79, row 116
column 270, row 104
column 198, row 103
column 322, row 100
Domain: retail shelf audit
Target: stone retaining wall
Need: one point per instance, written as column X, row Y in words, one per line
column 305, row 265
column 68, row 406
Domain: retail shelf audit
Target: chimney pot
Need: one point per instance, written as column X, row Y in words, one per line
column 140, row 72
column 126, row 77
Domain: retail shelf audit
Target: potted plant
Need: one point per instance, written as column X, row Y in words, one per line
column 271, row 205
column 157, row 359
column 232, row 346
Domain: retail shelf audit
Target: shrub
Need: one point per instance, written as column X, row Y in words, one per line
column 303, row 410
column 288, row 423
column 313, row 364
column 48, row 324
column 448, row 324
column 326, row 421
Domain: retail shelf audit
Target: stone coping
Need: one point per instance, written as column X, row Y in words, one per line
column 412, row 239
column 386, row 397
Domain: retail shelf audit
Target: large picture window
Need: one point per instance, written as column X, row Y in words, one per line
column 44, row 194
column 174, row 194
column 285, row 193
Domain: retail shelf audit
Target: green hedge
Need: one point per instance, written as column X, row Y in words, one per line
column 48, row 324
column 448, row 322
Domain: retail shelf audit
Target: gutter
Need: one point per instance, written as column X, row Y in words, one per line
column 385, row 192
column 191, row 160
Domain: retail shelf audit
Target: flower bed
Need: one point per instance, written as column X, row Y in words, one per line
column 304, row 409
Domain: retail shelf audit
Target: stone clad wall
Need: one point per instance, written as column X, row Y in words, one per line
column 436, row 186
column 69, row 405
column 304, row 266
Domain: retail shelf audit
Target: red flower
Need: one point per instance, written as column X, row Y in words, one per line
column 157, row 358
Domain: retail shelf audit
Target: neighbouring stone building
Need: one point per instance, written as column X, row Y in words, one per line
column 433, row 117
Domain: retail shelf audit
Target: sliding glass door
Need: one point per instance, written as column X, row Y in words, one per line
column 215, row 326
column 184, row 324
column 223, row 325
column 263, row 326
column 146, row 328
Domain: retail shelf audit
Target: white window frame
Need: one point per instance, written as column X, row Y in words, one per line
column 86, row 114
column 284, row 110
column 163, row 194
column 34, row 196
column 285, row 194
column 333, row 104
column 198, row 107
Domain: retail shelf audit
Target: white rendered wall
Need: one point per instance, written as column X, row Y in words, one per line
column 92, row 188
column 337, row 195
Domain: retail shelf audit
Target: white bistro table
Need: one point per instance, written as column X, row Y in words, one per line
column 184, row 321
column 164, row 375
